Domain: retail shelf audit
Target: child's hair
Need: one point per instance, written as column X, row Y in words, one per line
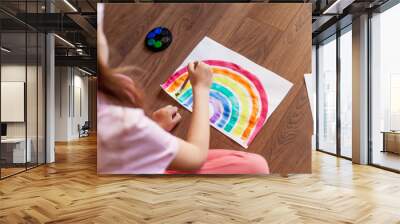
column 116, row 88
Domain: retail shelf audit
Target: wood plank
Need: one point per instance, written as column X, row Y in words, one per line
column 70, row 191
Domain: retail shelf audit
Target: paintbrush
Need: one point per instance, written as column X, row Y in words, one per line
column 185, row 82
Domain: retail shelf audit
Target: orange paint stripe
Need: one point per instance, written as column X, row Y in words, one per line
column 177, row 83
column 253, row 117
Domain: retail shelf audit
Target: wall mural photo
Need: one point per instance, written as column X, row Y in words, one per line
column 242, row 95
column 179, row 96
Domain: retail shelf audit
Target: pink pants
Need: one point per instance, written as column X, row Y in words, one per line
column 221, row 161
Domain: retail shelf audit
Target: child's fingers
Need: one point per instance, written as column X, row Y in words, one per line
column 191, row 67
column 174, row 110
column 195, row 64
column 177, row 118
column 201, row 64
column 168, row 107
column 171, row 109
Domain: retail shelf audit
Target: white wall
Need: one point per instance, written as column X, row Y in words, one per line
column 12, row 101
column 62, row 81
column 71, row 94
column 33, row 127
column 81, row 102
column 11, row 73
column 16, row 73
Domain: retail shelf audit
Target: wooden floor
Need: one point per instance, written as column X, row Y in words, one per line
column 10, row 171
column 387, row 159
column 69, row 191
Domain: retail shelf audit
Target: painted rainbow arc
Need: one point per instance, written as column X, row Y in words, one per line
column 238, row 100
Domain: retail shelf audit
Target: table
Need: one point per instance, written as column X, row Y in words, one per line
column 276, row 36
column 13, row 150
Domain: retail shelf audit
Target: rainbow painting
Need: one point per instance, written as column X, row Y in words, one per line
column 242, row 93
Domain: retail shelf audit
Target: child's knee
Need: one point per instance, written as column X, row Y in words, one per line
column 257, row 164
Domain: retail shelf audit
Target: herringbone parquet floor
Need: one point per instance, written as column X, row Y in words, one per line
column 69, row 191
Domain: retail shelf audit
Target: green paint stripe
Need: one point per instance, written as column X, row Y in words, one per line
column 229, row 95
column 185, row 95
column 235, row 105
column 241, row 95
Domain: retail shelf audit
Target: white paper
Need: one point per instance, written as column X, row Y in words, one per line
column 275, row 86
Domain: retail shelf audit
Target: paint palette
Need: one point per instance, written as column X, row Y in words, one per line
column 158, row 39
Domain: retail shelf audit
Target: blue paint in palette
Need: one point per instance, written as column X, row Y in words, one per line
column 158, row 39
column 151, row 35
column 158, row 30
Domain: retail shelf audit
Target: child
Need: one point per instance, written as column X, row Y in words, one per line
column 129, row 142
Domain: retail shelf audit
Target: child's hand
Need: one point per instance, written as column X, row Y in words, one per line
column 167, row 117
column 200, row 75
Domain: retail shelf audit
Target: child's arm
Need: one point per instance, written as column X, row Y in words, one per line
column 193, row 152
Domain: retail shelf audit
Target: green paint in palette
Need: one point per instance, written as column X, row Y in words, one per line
column 158, row 39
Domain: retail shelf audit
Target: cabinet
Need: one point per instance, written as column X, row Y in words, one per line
column 391, row 142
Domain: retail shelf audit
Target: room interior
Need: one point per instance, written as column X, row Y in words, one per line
column 22, row 102
column 48, row 104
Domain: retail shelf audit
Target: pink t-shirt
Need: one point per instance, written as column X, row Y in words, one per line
column 128, row 142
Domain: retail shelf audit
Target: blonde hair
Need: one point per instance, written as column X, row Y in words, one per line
column 116, row 88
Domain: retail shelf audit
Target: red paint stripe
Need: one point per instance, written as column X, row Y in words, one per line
column 257, row 84
column 174, row 76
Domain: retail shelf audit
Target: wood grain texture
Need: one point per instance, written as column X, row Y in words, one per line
column 276, row 36
column 69, row 191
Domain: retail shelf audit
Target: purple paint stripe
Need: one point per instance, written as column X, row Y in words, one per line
column 217, row 110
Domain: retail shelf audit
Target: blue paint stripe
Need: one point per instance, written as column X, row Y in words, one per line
column 230, row 113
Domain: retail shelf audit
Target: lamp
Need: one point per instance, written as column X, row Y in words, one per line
column 84, row 71
column 64, row 40
column 70, row 5
column 5, row 50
